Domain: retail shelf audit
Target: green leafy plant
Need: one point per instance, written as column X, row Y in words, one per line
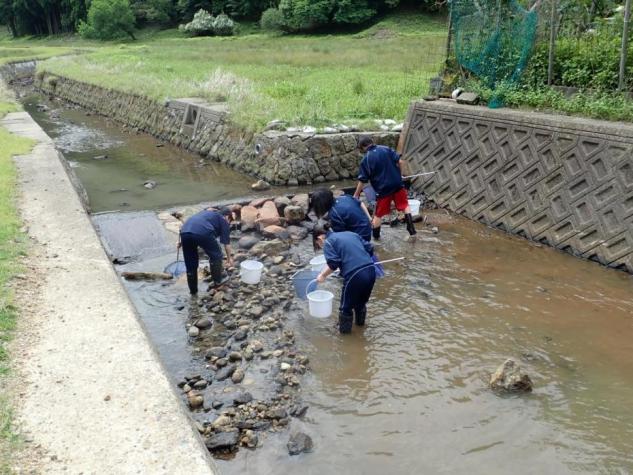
column 108, row 20
column 272, row 20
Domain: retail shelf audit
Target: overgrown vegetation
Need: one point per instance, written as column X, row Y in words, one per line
column 11, row 247
column 108, row 20
column 304, row 80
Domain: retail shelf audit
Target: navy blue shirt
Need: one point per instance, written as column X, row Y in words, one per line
column 347, row 251
column 348, row 215
column 208, row 222
column 380, row 168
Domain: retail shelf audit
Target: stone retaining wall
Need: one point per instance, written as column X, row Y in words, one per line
column 20, row 70
column 562, row 181
column 281, row 158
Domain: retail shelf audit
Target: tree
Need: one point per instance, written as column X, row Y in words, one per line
column 108, row 20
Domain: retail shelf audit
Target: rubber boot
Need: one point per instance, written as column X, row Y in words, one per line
column 360, row 315
column 376, row 233
column 216, row 274
column 192, row 282
column 345, row 322
column 410, row 227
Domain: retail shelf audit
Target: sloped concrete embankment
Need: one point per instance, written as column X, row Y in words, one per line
column 282, row 158
column 562, row 181
column 93, row 394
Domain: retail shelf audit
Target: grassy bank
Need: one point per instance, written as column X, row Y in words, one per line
column 11, row 247
column 314, row 80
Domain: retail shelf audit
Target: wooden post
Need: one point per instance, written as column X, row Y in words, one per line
column 552, row 42
column 625, row 45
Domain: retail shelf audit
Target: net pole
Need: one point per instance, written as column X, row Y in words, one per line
column 625, row 45
column 552, row 42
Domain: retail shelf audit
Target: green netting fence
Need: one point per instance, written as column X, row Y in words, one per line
column 493, row 39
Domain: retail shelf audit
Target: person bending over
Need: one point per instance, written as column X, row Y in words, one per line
column 344, row 213
column 381, row 167
column 202, row 230
column 351, row 254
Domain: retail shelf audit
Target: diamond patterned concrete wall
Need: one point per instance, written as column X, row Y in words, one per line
column 566, row 182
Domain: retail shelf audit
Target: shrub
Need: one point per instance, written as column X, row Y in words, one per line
column 272, row 20
column 201, row 25
column 223, row 25
column 108, row 20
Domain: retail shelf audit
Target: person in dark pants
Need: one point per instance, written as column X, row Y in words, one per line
column 344, row 213
column 381, row 167
column 351, row 254
column 202, row 230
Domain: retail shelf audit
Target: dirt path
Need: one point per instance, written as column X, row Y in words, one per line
column 92, row 394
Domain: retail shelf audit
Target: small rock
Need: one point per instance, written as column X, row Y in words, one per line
column 509, row 377
column 195, row 400
column 281, row 202
column 250, row 439
column 257, row 311
column 200, row 384
column 435, row 230
column 256, row 346
column 240, row 335
column 278, row 353
column 242, row 398
column 275, row 232
column 238, row 376
column 100, row 157
column 225, row 372
column 204, row 323
column 298, row 443
column 246, row 242
column 285, row 366
column 268, row 215
column 235, row 356
column 297, row 233
column 150, row 184
column 248, row 218
column 294, row 214
column 299, row 410
column 277, row 413
column 468, row 98
column 194, row 331
column 260, row 185
column 223, row 440
column 302, row 200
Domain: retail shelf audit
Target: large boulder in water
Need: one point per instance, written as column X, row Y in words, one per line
column 294, row 214
column 510, row 378
column 268, row 215
column 248, row 216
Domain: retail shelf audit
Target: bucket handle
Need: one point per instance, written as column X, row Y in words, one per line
column 309, row 284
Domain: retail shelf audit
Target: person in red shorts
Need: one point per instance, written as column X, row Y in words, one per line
column 381, row 168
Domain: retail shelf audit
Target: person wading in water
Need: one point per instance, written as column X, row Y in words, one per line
column 351, row 254
column 201, row 230
column 344, row 213
column 381, row 167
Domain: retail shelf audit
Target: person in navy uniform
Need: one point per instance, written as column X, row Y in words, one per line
column 202, row 230
column 381, row 167
column 352, row 255
column 344, row 213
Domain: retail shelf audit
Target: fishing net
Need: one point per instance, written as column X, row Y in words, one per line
column 493, row 40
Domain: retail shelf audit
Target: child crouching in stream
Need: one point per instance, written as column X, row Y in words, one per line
column 351, row 254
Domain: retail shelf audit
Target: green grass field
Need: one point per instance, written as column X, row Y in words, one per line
column 316, row 80
column 12, row 245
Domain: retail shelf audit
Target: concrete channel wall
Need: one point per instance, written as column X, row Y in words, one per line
column 94, row 395
column 562, row 181
column 279, row 157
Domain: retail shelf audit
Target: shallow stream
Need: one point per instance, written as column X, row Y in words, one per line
column 408, row 393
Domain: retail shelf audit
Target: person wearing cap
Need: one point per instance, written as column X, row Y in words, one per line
column 202, row 230
column 381, row 167
column 344, row 213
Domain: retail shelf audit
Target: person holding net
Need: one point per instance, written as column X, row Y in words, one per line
column 381, row 167
column 202, row 230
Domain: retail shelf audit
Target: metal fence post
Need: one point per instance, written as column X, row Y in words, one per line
column 552, row 42
column 625, row 45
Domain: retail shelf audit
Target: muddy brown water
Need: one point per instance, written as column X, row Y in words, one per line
column 408, row 393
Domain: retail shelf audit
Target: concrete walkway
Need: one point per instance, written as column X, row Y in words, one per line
column 92, row 392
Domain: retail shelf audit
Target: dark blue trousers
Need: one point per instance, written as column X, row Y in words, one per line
column 190, row 243
column 357, row 289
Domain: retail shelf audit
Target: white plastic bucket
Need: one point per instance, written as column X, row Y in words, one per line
column 251, row 272
column 318, row 263
column 320, row 303
column 414, row 205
